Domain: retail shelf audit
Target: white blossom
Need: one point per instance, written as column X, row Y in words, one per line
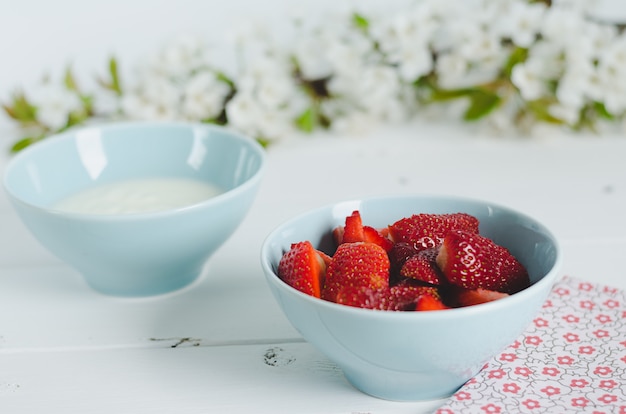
column 522, row 22
column 575, row 82
column 181, row 56
column 54, row 104
column 155, row 98
column 610, row 80
column 569, row 114
column 204, row 96
column 528, row 77
column 451, row 69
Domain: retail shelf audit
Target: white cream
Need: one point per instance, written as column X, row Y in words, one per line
column 138, row 196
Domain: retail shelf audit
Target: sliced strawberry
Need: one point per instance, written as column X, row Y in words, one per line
column 429, row 303
column 373, row 235
column 428, row 230
column 422, row 266
column 356, row 264
column 472, row 261
column 338, row 235
column 353, row 230
column 465, row 297
column 304, row 268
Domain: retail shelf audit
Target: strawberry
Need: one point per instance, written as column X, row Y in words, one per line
column 354, row 231
column 375, row 236
column 465, row 297
column 473, row 261
column 396, row 298
column 364, row 297
column 398, row 254
column 409, row 290
column 429, row 303
column 304, row 268
column 422, row 266
column 428, row 230
column 356, row 264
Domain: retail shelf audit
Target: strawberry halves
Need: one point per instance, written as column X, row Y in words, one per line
column 472, row 261
column 304, row 268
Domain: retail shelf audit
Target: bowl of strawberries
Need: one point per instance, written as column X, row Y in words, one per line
column 411, row 295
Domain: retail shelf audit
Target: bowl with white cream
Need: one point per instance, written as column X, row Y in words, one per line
column 137, row 208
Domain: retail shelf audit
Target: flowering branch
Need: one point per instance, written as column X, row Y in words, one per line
column 513, row 63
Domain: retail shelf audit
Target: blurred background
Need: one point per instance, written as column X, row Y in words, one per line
column 39, row 38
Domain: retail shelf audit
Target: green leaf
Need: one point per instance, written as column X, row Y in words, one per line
column 264, row 142
column 307, row 120
column 22, row 110
column 602, row 112
column 70, row 82
column 439, row 95
column 540, row 109
column 518, row 55
column 23, row 143
column 224, row 78
column 360, row 22
column 482, row 102
column 115, row 85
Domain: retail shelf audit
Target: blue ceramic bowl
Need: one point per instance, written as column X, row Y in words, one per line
column 137, row 254
column 414, row 355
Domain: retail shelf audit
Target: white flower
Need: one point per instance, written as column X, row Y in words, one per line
column 405, row 40
column 54, row 103
column 157, row 98
column 562, row 26
column 610, row 80
column 183, row 55
column 575, row 83
column 415, row 62
column 478, row 44
column 333, row 46
column 451, row 69
column 569, row 114
column 244, row 112
column 522, row 22
column 204, row 96
column 529, row 80
column 312, row 61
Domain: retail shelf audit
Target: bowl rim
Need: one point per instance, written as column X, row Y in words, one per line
column 69, row 134
column 545, row 283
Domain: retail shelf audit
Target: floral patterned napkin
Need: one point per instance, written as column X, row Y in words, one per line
column 571, row 359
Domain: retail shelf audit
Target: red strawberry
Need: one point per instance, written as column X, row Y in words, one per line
column 422, row 266
column 356, row 264
column 373, row 235
column 409, row 290
column 396, row 298
column 466, row 297
column 429, row 303
column 472, row 261
column 304, row 268
column 399, row 254
column 354, row 231
column 428, row 230
column 364, row 297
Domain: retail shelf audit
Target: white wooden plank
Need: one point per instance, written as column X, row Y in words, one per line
column 269, row 378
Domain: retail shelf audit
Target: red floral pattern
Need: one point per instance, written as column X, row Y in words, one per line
column 571, row 359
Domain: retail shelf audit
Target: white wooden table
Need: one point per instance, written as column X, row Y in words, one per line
column 222, row 344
